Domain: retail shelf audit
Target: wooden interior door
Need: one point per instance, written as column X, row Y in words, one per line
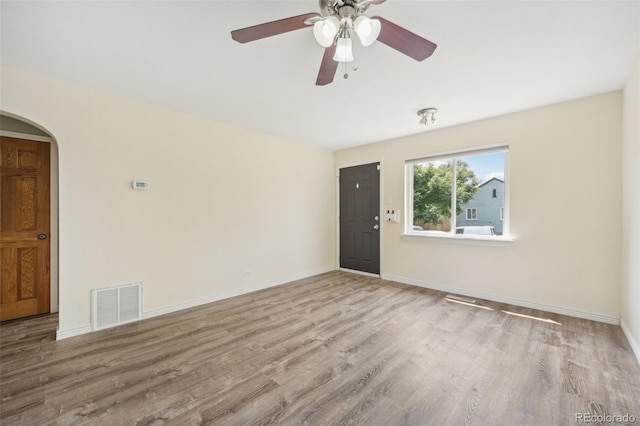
column 360, row 218
column 24, row 228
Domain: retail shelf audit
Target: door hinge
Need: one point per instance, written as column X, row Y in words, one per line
column 378, row 167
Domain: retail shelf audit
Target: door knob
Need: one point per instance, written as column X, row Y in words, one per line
column 42, row 236
column 376, row 226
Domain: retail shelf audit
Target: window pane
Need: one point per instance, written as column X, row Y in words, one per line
column 480, row 186
column 432, row 196
column 472, row 214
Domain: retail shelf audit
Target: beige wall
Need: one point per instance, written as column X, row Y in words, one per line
column 221, row 200
column 631, row 210
column 217, row 204
column 565, row 204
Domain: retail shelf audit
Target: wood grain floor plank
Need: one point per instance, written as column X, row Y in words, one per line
column 337, row 348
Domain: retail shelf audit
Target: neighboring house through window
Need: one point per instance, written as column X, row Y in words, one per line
column 490, row 208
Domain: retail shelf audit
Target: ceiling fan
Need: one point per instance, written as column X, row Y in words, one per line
column 332, row 29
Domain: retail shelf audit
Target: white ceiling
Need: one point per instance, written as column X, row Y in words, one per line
column 492, row 58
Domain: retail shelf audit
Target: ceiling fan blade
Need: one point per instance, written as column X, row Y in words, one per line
column 328, row 67
column 269, row 29
column 404, row 41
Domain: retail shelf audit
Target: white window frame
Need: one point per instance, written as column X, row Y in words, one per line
column 474, row 213
column 452, row 156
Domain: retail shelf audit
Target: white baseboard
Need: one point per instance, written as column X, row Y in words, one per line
column 632, row 340
column 72, row 332
column 63, row 334
column 501, row 299
column 77, row 331
column 239, row 292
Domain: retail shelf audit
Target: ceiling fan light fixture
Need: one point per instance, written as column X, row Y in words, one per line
column 325, row 30
column 344, row 50
column 367, row 30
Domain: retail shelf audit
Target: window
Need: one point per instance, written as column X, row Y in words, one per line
column 472, row 214
column 446, row 192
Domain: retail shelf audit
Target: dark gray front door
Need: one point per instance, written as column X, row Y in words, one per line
column 360, row 218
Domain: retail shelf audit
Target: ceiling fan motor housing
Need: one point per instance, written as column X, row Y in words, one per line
column 344, row 8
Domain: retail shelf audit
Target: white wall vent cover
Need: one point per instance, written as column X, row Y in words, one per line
column 116, row 305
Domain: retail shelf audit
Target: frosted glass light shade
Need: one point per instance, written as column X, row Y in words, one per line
column 325, row 31
column 344, row 50
column 367, row 29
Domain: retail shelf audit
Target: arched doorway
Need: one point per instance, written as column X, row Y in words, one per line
column 16, row 129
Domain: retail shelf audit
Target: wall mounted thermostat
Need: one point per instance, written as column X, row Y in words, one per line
column 139, row 185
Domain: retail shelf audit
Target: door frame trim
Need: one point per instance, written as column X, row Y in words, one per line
column 337, row 237
column 26, row 136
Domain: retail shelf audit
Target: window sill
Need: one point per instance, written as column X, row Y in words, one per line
column 476, row 240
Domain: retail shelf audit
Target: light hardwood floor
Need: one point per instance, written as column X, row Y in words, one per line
column 333, row 349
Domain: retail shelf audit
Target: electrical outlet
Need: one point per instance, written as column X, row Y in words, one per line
column 246, row 273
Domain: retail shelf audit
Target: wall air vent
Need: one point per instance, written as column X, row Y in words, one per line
column 116, row 305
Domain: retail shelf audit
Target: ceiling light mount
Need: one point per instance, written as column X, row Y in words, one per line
column 428, row 116
column 335, row 7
